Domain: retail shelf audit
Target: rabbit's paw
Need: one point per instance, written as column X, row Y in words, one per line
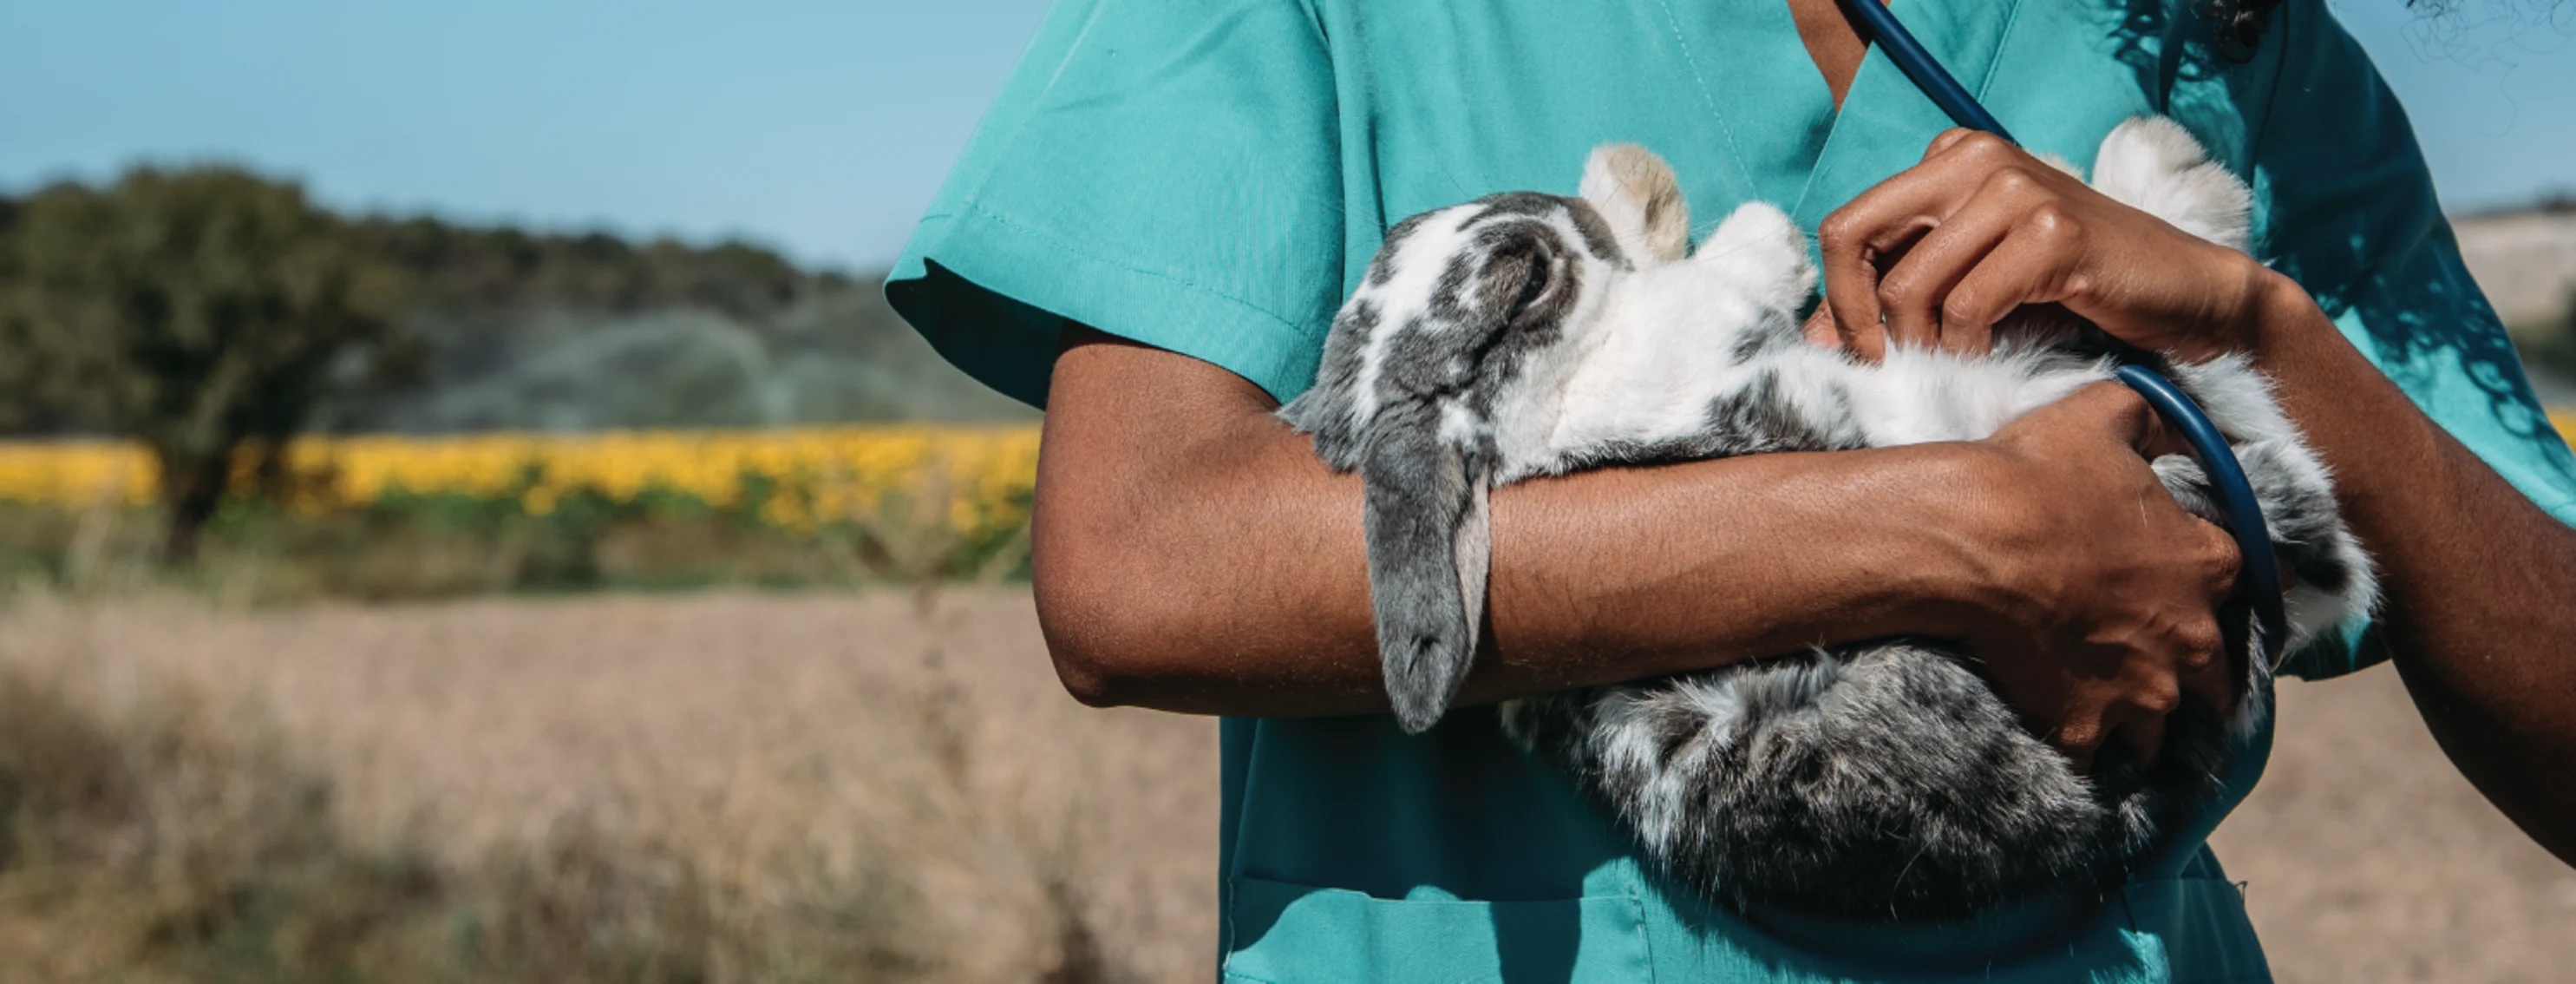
column 2152, row 164
column 1762, row 253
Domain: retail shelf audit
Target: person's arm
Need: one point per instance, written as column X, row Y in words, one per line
column 2475, row 578
column 2476, row 581
column 1193, row 554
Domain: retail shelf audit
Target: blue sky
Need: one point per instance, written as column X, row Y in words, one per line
column 817, row 126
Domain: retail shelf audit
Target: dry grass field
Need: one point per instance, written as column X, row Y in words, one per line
column 728, row 787
column 2367, row 858
column 741, row 787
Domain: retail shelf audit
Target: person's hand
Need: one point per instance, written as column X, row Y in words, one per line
column 1937, row 254
column 2094, row 611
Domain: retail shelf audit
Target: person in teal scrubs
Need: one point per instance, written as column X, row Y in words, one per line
column 1193, row 188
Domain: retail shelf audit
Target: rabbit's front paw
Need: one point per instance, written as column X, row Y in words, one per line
column 1760, row 251
column 2152, row 164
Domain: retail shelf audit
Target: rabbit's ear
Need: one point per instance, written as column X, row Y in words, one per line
column 1335, row 409
column 1636, row 193
column 1428, row 546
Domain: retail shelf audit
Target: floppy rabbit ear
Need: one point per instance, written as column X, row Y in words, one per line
column 1636, row 193
column 1331, row 409
column 1428, row 547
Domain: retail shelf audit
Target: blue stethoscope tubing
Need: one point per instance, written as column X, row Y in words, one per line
column 2259, row 573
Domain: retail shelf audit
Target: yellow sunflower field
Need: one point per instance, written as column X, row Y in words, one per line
column 793, row 479
column 524, row 510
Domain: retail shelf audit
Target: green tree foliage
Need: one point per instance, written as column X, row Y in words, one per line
column 210, row 312
column 467, row 268
column 205, row 312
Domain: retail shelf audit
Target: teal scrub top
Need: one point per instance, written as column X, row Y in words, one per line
column 1212, row 176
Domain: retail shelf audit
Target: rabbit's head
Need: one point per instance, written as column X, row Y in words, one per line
column 1466, row 321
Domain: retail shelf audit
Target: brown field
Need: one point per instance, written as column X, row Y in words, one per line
column 740, row 787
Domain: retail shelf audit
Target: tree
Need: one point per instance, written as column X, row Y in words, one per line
column 203, row 312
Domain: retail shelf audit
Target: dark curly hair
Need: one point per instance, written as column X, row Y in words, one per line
column 2237, row 26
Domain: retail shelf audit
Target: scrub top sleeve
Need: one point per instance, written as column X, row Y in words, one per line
column 1161, row 170
column 2349, row 212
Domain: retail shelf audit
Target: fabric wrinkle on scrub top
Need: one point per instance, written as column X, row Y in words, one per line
column 1211, row 177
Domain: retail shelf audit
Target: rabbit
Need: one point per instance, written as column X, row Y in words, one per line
column 1527, row 334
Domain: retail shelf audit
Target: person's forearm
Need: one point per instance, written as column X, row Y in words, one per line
column 2475, row 579
column 1230, row 577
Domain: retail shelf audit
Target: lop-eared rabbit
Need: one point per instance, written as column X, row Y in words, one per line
column 1528, row 334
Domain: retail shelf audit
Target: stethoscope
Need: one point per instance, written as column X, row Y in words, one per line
column 2258, row 573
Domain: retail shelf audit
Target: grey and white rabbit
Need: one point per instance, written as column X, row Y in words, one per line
column 1529, row 334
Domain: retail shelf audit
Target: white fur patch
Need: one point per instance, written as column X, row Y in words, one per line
column 1666, row 335
column 2152, row 164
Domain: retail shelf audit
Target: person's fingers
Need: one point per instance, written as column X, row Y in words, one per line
column 2032, row 265
column 2204, row 670
column 2210, row 673
column 2115, row 412
column 1871, row 232
column 2197, row 667
column 1821, row 330
column 2078, row 738
column 1976, row 150
column 1867, row 233
column 2169, row 443
column 2216, row 686
column 1948, row 139
column 1913, row 292
column 2139, row 725
column 1843, row 240
column 2220, row 561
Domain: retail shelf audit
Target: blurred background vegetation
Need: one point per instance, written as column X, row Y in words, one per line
column 180, row 349
column 220, row 401
column 2525, row 260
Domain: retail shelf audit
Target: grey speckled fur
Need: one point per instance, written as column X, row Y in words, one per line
column 1527, row 334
